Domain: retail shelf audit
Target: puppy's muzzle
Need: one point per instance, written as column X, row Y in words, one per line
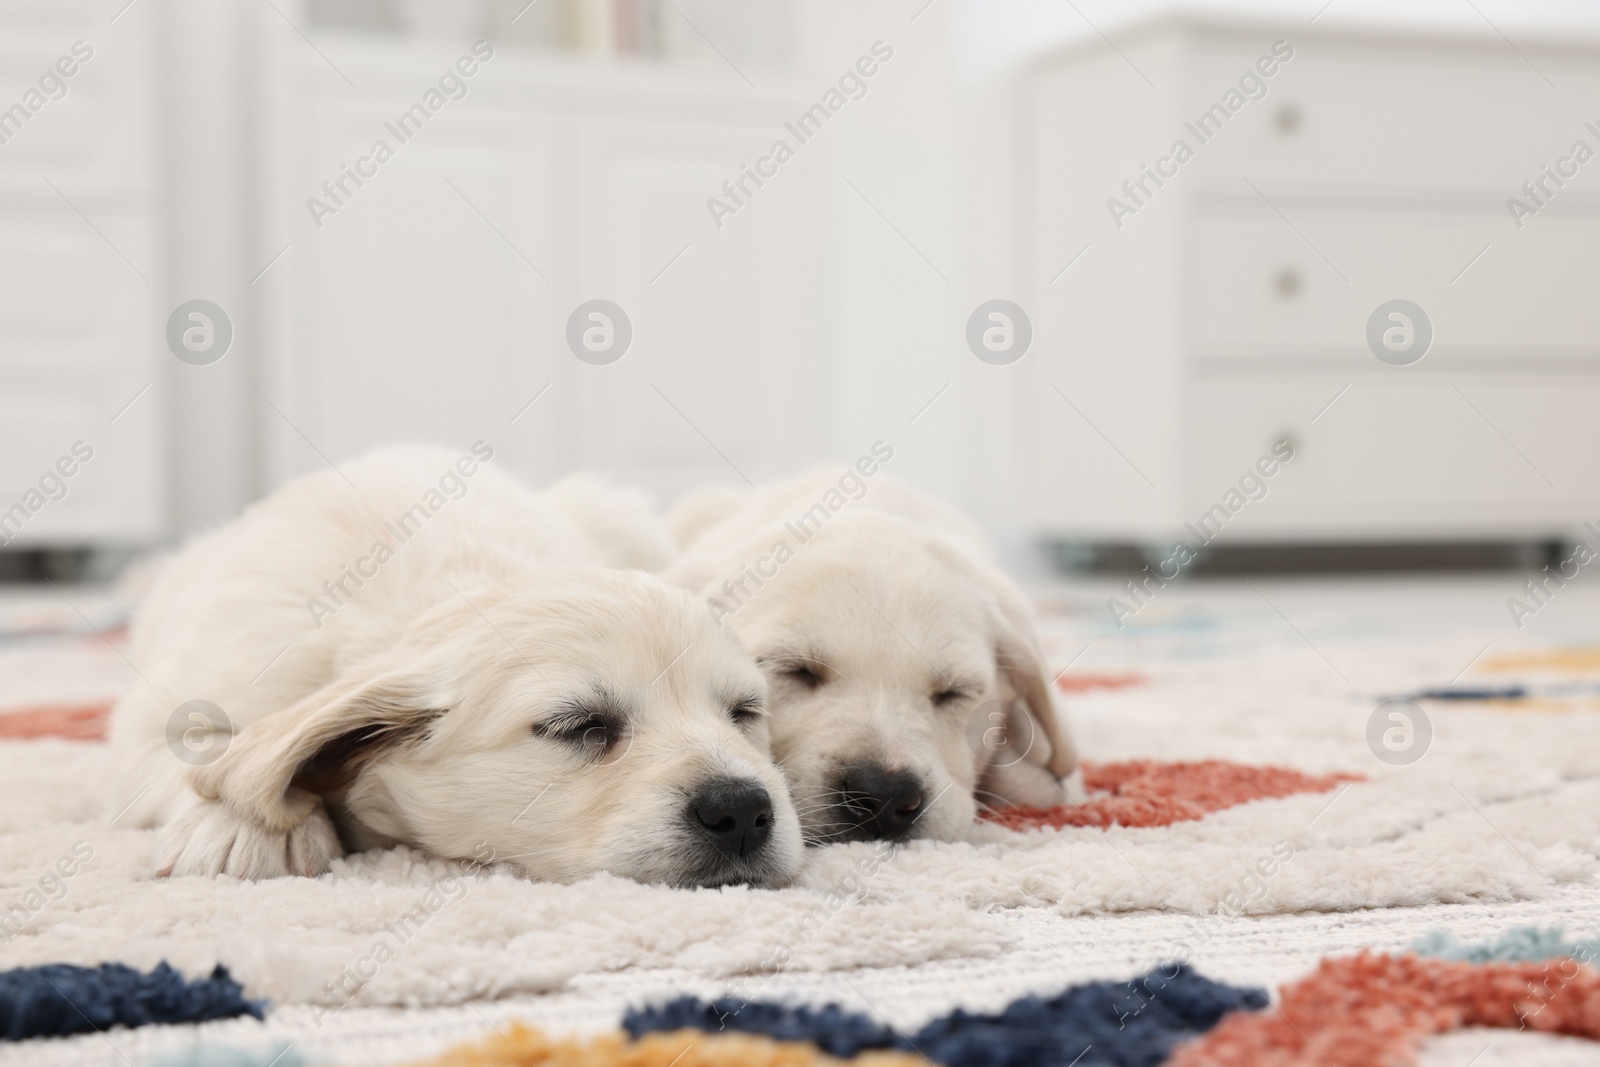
column 735, row 814
column 879, row 803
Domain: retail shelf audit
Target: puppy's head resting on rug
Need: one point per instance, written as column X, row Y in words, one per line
column 451, row 662
column 907, row 686
column 631, row 738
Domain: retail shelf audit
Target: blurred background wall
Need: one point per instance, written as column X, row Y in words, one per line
column 539, row 156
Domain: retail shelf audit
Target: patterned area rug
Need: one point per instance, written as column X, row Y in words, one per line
column 1247, row 818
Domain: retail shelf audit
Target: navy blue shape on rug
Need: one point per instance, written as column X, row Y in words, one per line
column 60, row 998
column 832, row 1029
column 1101, row 1024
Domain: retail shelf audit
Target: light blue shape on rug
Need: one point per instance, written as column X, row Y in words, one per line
column 1521, row 944
column 227, row 1056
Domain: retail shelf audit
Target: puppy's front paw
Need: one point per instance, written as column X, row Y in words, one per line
column 212, row 838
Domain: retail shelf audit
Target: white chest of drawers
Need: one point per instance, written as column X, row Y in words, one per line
column 1224, row 307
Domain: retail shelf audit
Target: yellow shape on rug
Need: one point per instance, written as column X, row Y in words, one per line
column 1583, row 659
column 523, row 1046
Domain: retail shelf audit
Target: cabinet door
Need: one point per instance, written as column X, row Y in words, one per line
column 414, row 312
column 433, row 304
column 82, row 350
column 724, row 375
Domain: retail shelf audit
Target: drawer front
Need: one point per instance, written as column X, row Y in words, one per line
column 60, row 16
column 91, row 132
column 1485, row 455
column 1389, row 114
column 75, row 306
column 1261, row 287
column 69, row 475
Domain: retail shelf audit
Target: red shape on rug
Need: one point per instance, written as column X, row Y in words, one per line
column 1082, row 682
column 74, row 722
column 1368, row 1009
column 1152, row 793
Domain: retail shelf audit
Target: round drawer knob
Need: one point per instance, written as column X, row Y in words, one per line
column 1288, row 282
column 1289, row 120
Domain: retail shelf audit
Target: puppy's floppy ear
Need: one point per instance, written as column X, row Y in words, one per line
column 274, row 768
column 1022, row 668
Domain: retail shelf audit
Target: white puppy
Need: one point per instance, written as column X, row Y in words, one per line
column 428, row 653
column 907, row 685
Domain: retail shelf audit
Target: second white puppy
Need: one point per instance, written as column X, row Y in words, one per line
column 907, row 683
column 418, row 650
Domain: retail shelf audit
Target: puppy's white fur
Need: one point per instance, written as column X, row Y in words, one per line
column 425, row 709
column 922, row 655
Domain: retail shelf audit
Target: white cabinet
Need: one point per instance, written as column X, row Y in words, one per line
column 1224, row 305
column 434, row 304
column 81, row 328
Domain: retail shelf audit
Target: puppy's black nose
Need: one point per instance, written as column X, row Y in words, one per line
column 735, row 813
column 880, row 802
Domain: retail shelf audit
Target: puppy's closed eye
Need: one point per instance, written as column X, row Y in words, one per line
column 797, row 667
column 747, row 711
column 593, row 732
column 954, row 689
column 808, row 676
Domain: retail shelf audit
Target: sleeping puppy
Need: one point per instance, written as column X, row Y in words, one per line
column 906, row 683
column 429, row 654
